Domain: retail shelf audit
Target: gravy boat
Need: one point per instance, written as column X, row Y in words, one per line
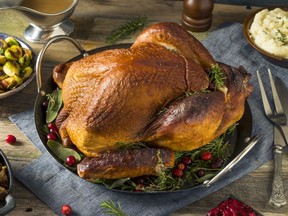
column 43, row 25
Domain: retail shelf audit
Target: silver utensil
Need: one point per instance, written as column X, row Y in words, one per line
column 277, row 197
column 251, row 142
column 279, row 119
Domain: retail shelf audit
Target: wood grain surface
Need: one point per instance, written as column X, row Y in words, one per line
column 94, row 20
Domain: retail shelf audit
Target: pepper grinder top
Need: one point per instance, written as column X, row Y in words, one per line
column 197, row 15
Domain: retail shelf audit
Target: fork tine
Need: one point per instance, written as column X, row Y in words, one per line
column 278, row 105
column 265, row 101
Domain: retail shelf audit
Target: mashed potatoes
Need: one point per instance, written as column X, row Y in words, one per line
column 269, row 30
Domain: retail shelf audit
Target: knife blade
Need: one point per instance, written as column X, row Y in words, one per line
column 278, row 137
column 283, row 95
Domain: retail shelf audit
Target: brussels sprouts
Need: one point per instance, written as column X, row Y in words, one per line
column 27, row 71
column 3, row 46
column 11, row 41
column 2, row 74
column 24, row 60
column 13, row 53
column 11, row 68
column 2, row 59
column 9, row 83
column 15, row 64
column 28, row 53
column 18, row 80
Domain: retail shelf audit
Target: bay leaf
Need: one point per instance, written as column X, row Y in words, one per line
column 54, row 105
column 61, row 152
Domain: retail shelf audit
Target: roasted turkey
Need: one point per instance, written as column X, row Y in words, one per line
column 157, row 91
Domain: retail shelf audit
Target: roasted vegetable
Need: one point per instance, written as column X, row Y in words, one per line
column 3, row 46
column 15, row 64
column 11, row 41
column 2, row 60
column 11, row 68
column 13, row 53
column 3, row 182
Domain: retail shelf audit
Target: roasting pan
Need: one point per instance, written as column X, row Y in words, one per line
column 240, row 143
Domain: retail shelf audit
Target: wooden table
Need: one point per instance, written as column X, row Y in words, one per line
column 94, row 20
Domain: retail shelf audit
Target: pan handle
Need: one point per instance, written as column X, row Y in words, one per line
column 250, row 144
column 42, row 52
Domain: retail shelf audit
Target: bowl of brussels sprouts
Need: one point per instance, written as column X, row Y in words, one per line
column 17, row 60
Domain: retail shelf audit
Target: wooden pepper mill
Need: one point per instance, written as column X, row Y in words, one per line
column 197, row 15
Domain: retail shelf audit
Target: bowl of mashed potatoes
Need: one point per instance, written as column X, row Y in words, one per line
column 266, row 30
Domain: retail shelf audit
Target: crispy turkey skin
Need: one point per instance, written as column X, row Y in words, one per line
column 139, row 94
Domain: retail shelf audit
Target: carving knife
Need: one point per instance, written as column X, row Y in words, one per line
column 283, row 95
column 277, row 197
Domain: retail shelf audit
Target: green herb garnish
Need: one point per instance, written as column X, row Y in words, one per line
column 216, row 76
column 282, row 37
column 165, row 181
column 61, row 152
column 110, row 208
column 54, row 105
column 127, row 29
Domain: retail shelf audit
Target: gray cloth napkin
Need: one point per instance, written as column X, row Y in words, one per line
column 56, row 186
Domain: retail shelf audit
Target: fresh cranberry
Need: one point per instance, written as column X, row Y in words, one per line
column 181, row 166
column 177, row 173
column 200, row 173
column 186, row 160
column 10, row 139
column 217, row 163
column 206, row 156
column 71, row 160
column 51, row 125
column 53, row 130
column 66, row 210
column 51, row 136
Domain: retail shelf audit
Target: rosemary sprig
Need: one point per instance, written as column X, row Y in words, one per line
column 127, row 29
column 216, row 76
column 110, row 208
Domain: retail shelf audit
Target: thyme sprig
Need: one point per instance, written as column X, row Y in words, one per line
column 110, row 208
column 127, row 29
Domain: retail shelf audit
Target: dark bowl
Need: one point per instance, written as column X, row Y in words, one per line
column 279, row 61
column 8, row 204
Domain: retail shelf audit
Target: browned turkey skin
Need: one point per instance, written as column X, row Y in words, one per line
column 140, row 95
column 132, row 163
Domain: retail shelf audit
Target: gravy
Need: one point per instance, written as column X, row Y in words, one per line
column 47, row 6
